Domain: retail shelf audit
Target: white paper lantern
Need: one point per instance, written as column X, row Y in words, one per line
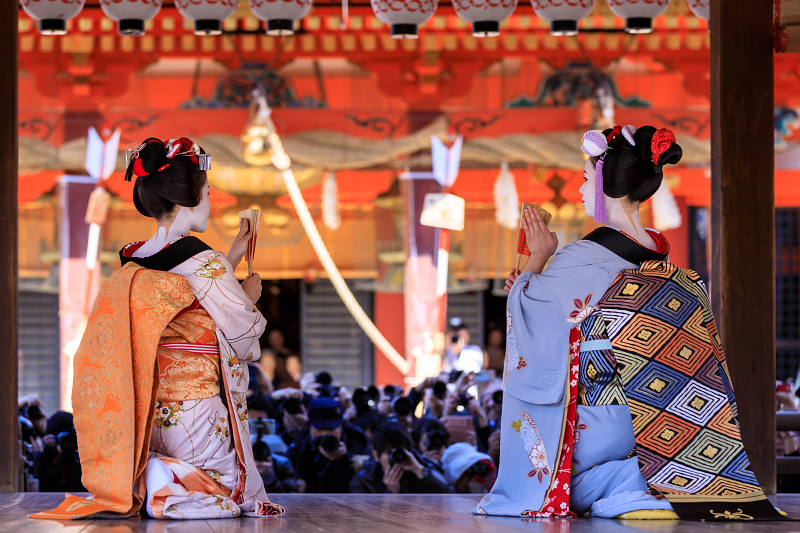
column 700, row 8
column 485, row 15
column 562, row 16
column 131, row 14
column 280, row 15
column 638, row 14
column 52, row 14
column 404, row 15
column 207, row 14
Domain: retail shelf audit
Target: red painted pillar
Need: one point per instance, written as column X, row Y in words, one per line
column 424, row 308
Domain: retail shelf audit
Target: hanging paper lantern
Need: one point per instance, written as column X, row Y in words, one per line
column 52, row 16
column 562, row 16
column 700, row 8
column 330, row 202
column 638, row 14
column 485, row 15
column 506, row 199
column 666, row 213
column 404, row 15
column 280, row 14
column 207, row 14
column 131, row 14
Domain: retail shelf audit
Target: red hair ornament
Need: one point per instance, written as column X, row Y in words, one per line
column 662, row 140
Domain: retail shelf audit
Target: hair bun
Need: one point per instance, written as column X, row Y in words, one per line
column 152, row 155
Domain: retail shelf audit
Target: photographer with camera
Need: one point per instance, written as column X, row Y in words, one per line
column 431, row 439
column 276, row 472
column 397, row 468
column 329, row 452
column 459, row 354
column 288, row 407
column 470, row 471
column 57, row 465
column 362, row 412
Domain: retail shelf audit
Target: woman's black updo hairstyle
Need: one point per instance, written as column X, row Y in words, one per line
column 630, row 171
column 180, row 182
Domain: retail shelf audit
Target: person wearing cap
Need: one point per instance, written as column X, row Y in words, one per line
column 459, row 354
column 468, row 470
column 326, row 468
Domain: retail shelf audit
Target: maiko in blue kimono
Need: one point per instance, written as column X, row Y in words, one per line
column 559, row 459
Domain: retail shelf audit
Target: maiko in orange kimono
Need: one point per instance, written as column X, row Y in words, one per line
column 158, row 353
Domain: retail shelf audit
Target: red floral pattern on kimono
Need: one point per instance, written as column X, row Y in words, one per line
column 557, row 503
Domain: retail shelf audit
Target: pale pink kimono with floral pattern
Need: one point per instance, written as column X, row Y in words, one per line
column 201, row 462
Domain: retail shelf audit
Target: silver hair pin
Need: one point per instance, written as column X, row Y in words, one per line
column 204, row 161
column 130, row 153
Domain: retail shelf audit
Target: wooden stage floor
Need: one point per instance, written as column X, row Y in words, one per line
column 368, row 514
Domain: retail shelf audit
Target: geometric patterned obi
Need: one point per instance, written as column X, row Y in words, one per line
column 667, row 364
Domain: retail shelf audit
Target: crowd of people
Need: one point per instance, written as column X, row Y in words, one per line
column 311, row 435
column 323, row 438
column 49, row 448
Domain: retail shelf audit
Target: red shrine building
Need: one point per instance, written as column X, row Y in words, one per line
column 356, row 109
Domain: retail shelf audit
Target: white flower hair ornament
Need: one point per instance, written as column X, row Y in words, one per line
column 596, row 144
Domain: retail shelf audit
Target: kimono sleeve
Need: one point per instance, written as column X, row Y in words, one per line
column 213, row 283
column 542, row 309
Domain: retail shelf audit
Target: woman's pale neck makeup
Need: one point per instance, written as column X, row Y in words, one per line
column 624, row 215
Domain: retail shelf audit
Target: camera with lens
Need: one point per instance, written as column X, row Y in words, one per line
column 261, row 451
column 498, row 397
column 436, row 440
column 454, row 375
column 68, row 440
column 479, row 469
column 326, row 386
column 329, row 443
column 362, row 400
column 293, row 406
column 440, row 389
column 464, row 399
column 402, row 406
column 398, row 457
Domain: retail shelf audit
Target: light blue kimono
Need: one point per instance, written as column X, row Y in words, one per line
column 604, row 481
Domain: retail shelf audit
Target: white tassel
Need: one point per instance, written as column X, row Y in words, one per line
column 666, row 213
column 506, row 200
column 330, row 202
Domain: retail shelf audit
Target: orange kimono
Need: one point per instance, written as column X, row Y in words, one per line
column 158, row 354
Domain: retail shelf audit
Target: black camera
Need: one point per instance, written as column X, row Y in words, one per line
column 402, row 406
column 293, row 406
column 68, row 440
column 397, row 457
column 436, row 440
column 374, row 394
column 440, row 389
column 498, row 397
column 361, row 399
column 261, row 451
column 454, row 375
column 326, row 387
column 479, row 469
column 454, row 339
column 464, row 399
column 329, row 443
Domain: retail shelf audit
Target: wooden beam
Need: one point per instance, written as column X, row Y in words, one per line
column 743, row 217
column 9, row 423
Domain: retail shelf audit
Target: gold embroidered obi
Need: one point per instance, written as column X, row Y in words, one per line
column 188, row 358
